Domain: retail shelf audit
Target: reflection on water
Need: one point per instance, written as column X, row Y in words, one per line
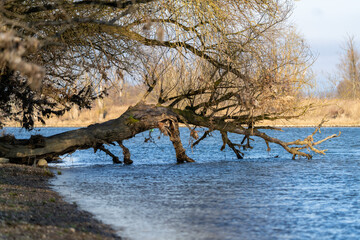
column 220, row 197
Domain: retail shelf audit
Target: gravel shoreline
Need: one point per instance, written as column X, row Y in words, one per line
column 29, row 209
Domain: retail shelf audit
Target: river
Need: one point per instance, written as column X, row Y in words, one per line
column 266, row 195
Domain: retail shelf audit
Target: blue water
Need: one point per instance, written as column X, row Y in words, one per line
column 263, row 196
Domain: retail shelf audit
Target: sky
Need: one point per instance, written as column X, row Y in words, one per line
column 325, row 24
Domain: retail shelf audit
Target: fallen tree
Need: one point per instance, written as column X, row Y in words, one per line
column 135, row 120
column 221, row 65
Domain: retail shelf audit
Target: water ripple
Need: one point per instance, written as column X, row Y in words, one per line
column 220, row 197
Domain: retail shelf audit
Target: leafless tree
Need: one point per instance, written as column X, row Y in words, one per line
column 349, row 71
column 222, row 65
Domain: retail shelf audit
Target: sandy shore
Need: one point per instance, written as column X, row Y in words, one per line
column 30, row 210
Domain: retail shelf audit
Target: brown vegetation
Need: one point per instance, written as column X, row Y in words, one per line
column 222, row 65
column 336, row 112
column 348, row 86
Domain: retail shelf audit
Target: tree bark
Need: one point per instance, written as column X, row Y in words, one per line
column 126, row 153
column 135, row 120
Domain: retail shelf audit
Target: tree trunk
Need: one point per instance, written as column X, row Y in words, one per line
column 135, row 120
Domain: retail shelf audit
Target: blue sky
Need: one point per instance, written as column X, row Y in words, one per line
column 325, row 24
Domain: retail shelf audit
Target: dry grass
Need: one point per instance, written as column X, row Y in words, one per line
column 81, row 118
column 338, row 112
column 86, row 117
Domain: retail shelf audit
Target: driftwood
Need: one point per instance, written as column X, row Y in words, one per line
column 135, row 120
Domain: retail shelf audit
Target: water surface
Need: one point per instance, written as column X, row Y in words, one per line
column 263, row 196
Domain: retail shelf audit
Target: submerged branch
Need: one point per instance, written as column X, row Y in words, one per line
column 126, row 153
column 226, row 141
column 222, row 126
column 102, row 148
column 206, row 133
column 140, row 118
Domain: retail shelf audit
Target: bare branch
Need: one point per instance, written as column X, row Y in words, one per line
column 113, row 4
column 102, row 148
column 126, row 153
column 226, row 141
column 206, row 133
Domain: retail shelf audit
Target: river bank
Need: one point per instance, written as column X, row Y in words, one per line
column 30, row 210
column 336, row 112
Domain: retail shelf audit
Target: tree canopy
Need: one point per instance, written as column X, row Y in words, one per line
column 223, row 65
